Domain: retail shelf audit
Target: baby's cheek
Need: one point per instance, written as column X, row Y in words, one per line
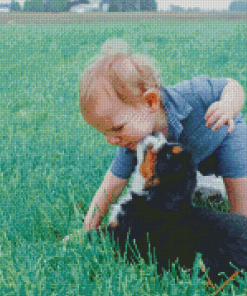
column 139, row 126
column 142, row 126
column 141, row 129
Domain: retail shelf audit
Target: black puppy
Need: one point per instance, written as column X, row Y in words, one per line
column 160, row 204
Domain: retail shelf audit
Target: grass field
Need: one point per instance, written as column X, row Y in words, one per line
column 52, row 162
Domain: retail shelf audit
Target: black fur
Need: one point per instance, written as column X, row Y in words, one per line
column 175, row 227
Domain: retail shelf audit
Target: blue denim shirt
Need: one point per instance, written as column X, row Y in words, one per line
column 186, row 104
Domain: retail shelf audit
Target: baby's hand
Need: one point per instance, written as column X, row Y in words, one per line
column 221, row 113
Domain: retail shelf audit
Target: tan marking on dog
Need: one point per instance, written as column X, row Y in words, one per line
column 147, row 169
column 177, row 149
column 152, row 182
column 114, row 223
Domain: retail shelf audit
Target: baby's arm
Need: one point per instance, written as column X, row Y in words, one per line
column 109, row 190
column 226, row 109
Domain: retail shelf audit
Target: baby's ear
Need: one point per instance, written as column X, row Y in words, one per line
column 152, row 99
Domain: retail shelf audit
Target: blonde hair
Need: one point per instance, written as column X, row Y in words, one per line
column 129, row 74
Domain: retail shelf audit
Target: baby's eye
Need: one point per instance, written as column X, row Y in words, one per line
column 117, row 128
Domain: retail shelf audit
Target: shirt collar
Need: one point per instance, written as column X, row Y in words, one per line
column 177, row 109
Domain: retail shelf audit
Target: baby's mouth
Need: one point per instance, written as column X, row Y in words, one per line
column 131, row 146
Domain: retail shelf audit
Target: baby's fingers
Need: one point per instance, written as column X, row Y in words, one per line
column 231, row 125
column 213, row 117
column 224, row 120
column 213, row 108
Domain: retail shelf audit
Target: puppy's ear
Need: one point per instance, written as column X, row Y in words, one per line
column 181, row 156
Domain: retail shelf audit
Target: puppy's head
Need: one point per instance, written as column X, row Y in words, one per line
column 172, row 161
column 163, row 162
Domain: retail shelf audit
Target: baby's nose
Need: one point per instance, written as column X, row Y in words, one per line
column 113, row 140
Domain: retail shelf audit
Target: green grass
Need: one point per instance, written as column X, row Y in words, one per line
column 52, row 162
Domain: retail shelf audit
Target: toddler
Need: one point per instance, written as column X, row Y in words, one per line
column 121, row 96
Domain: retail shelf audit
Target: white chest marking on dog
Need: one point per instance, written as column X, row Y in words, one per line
column 116, row 209
column 157, row 141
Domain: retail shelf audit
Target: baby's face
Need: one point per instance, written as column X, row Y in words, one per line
column 122, row 124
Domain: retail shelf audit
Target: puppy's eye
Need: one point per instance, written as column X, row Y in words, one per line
column 168, row 156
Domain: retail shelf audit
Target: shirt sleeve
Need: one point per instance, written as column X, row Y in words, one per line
column 208, row 89
column 200, row 92
column 124, row 163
